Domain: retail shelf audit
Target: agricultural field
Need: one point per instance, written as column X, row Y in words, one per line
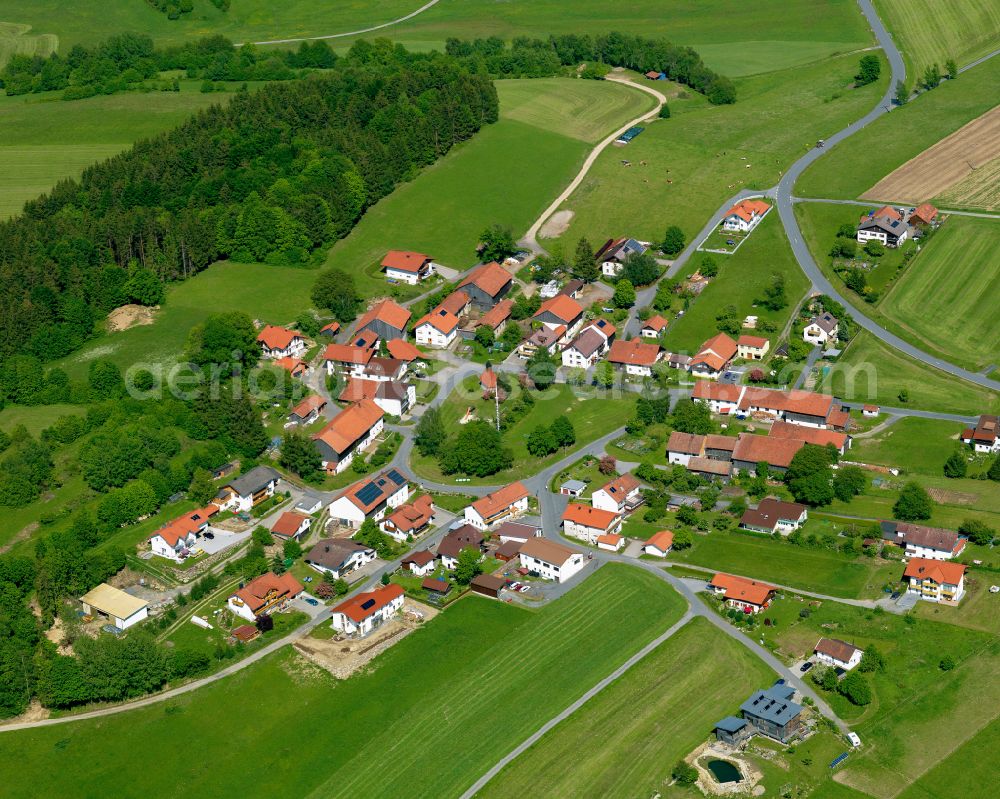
column 953, row 160
column 965, row 772
column 508, row 174
column 871, row 371
column 404, row 713
column 18, row 39
column 848, row 169
column 927, row 32
column 981, row 189
column 741, row 281
column 592, row 417
column 43, row 140
column 654, row 722
column 945, row 298
column 682, row 168
column 918, row 445
column 810, row 569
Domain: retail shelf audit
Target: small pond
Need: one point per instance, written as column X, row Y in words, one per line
column 724, row 771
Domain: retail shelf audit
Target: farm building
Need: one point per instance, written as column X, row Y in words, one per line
column 120, row 609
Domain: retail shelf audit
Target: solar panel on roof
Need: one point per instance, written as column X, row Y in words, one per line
column 367, row 604
column 369, row 494
column 396, row 477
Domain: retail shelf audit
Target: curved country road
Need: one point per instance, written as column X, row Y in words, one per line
column 411, row 15
column 530, row 239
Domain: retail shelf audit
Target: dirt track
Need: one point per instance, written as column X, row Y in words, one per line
column 948, row 162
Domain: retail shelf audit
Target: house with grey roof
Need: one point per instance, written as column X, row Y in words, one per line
column 772, row 712
column 248, row 490
column 338, row 557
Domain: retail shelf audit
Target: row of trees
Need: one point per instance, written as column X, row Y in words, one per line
column 527, row 57
column 272, row 176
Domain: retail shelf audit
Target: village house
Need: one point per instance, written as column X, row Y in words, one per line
column 839, row 654
column 121, row 609
column 749, row 596
column 773, row 713
column 923, row 216
column 264, row 595
column 393, row 397
column 280, row 342
column 920, row 541
column 351, row 431
column 409, row 521
column 681, row 447
column 722, row 398
column 885, row 226
column 985, row 436
column 752, row 348
column 346, row 359
column 797, row 407
column 294, row 366
column 810, row 435
column 248, row 490
column 403, row 266
column 659, row 544
column 745, row 215
column 497, row 317
column 385, row 369
column 291, row 525
column 486, row 285
column 437, row 329
column 176, row 539
column 774, row 516
column 366, row 612
column 653, row 327
column 935, row 580
column 588, row 523
column 714, row 357
column 420, row 564
column 370, row 498
column 635, row 357
column 542, row 339
column 561, row 312
column 550, row 560
column 307, row 410
column 614, row 252
column 386, row 319
column 451, row 546
column 751, row 450
column 403, row 351
column 503, row 504
column 611, row 542
column 821, row 330
column 590, row 345
column 339, row 557
column 516, row 531
column 620, row 495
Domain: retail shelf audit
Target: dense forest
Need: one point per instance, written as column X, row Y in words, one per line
column 535, row 58
column 273, row 176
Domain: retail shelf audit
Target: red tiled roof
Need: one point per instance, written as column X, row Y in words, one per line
column 562, row 307
column 634, row 352
column 332, row 328
column 942, row 572
column 344, row 353
column 293, row 365
column 488, row 379
column 686, row 443
column 386, row 311
column 621, row 486
column 358, row 389
column 720, row 392
column 811, row 435
column 183, row 526
column 404, row 261
column 656, row 323
column 350, row 425
column 588, row 516
column 773, row 451
column 662, row 540
column 312, row 403
column 756, row 342
column 489, row 278
column 254, row 594
column 925, row 212
column 497, row 314
column 612, row 539
column 716, row 352
column 354, row 608
column 454, row 303
column 277, row 338
column 502, row 498
column 802, row 402
column 403, row 350
column 442, row 320
column 740, row 589
column 414, row 515
column 288, row 524
column 745, row 209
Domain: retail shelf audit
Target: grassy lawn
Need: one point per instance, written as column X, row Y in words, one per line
column 403, row 714
column 36, row 417
column 916, row 445
column 945, row 299
column 853, row 166
column 683, row 167
column 820, row 570
column 927, row 32
column 592, row 417
column 978, row 609
column 654, row 722
column 870, row 371
column 43, row 139
column 965, row 772
column 741, row 281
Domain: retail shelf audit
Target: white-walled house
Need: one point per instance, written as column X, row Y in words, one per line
column 745, row 215
column 659, row 544
column 437, row 329
column 338, row 557
column 621, row 495
column 175, row 540
column 370, row 498
column 821, row 329
column 404, row 266
column 588, row 523
column 366, row 612
column 247, row 490
column 935, row 580
column 550, row 560
column 280, row 342
column 351, row 431
column 264, row 595
column 503, row 504
column 837, row 653
column 985, row 436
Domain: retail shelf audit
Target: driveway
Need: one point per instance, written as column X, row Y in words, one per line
column 312, row 611
column 223, row 540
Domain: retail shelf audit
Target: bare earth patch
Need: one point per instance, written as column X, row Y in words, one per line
column 938, row 168
column 945, row 496
column 556, row 225
column 131, row 316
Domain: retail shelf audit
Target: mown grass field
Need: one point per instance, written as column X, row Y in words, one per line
column 918, row 445
column 43, row 139
column 592, row 416
column 684, row 167
column 19, row 40
column 741, row 281
column 965, row 772
column 870, row 371
column 645, row 721
column 478, row 679
column 947, row 299
column 927, row 32
column 818, row 570
column 981, row 189
column 854, row 165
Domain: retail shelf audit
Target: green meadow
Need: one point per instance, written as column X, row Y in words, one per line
column 478, row 679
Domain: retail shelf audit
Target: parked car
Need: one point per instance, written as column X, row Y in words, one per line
column 311, row 601
column 515, row 586
column 523, row 588
column 209, row 536
column 730, row 242
column 806, row 666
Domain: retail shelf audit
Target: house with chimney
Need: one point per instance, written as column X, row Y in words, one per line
column 935, row 580
column 590, row 345
column 621, row 495
column 714, row 357
column 636, row 357
column 404, row 266
column 921, row 541
column 410, row 520
column 837, row 654
column 613, row 254
column 347, row 434
column 280, row 342
column 985, row 436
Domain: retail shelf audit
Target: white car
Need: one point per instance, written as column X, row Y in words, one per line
column 995, row 589
column 854, row 739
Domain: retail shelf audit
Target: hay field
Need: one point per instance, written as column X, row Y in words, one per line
column 944, row 165
column 979, row 189
column 15, row 39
